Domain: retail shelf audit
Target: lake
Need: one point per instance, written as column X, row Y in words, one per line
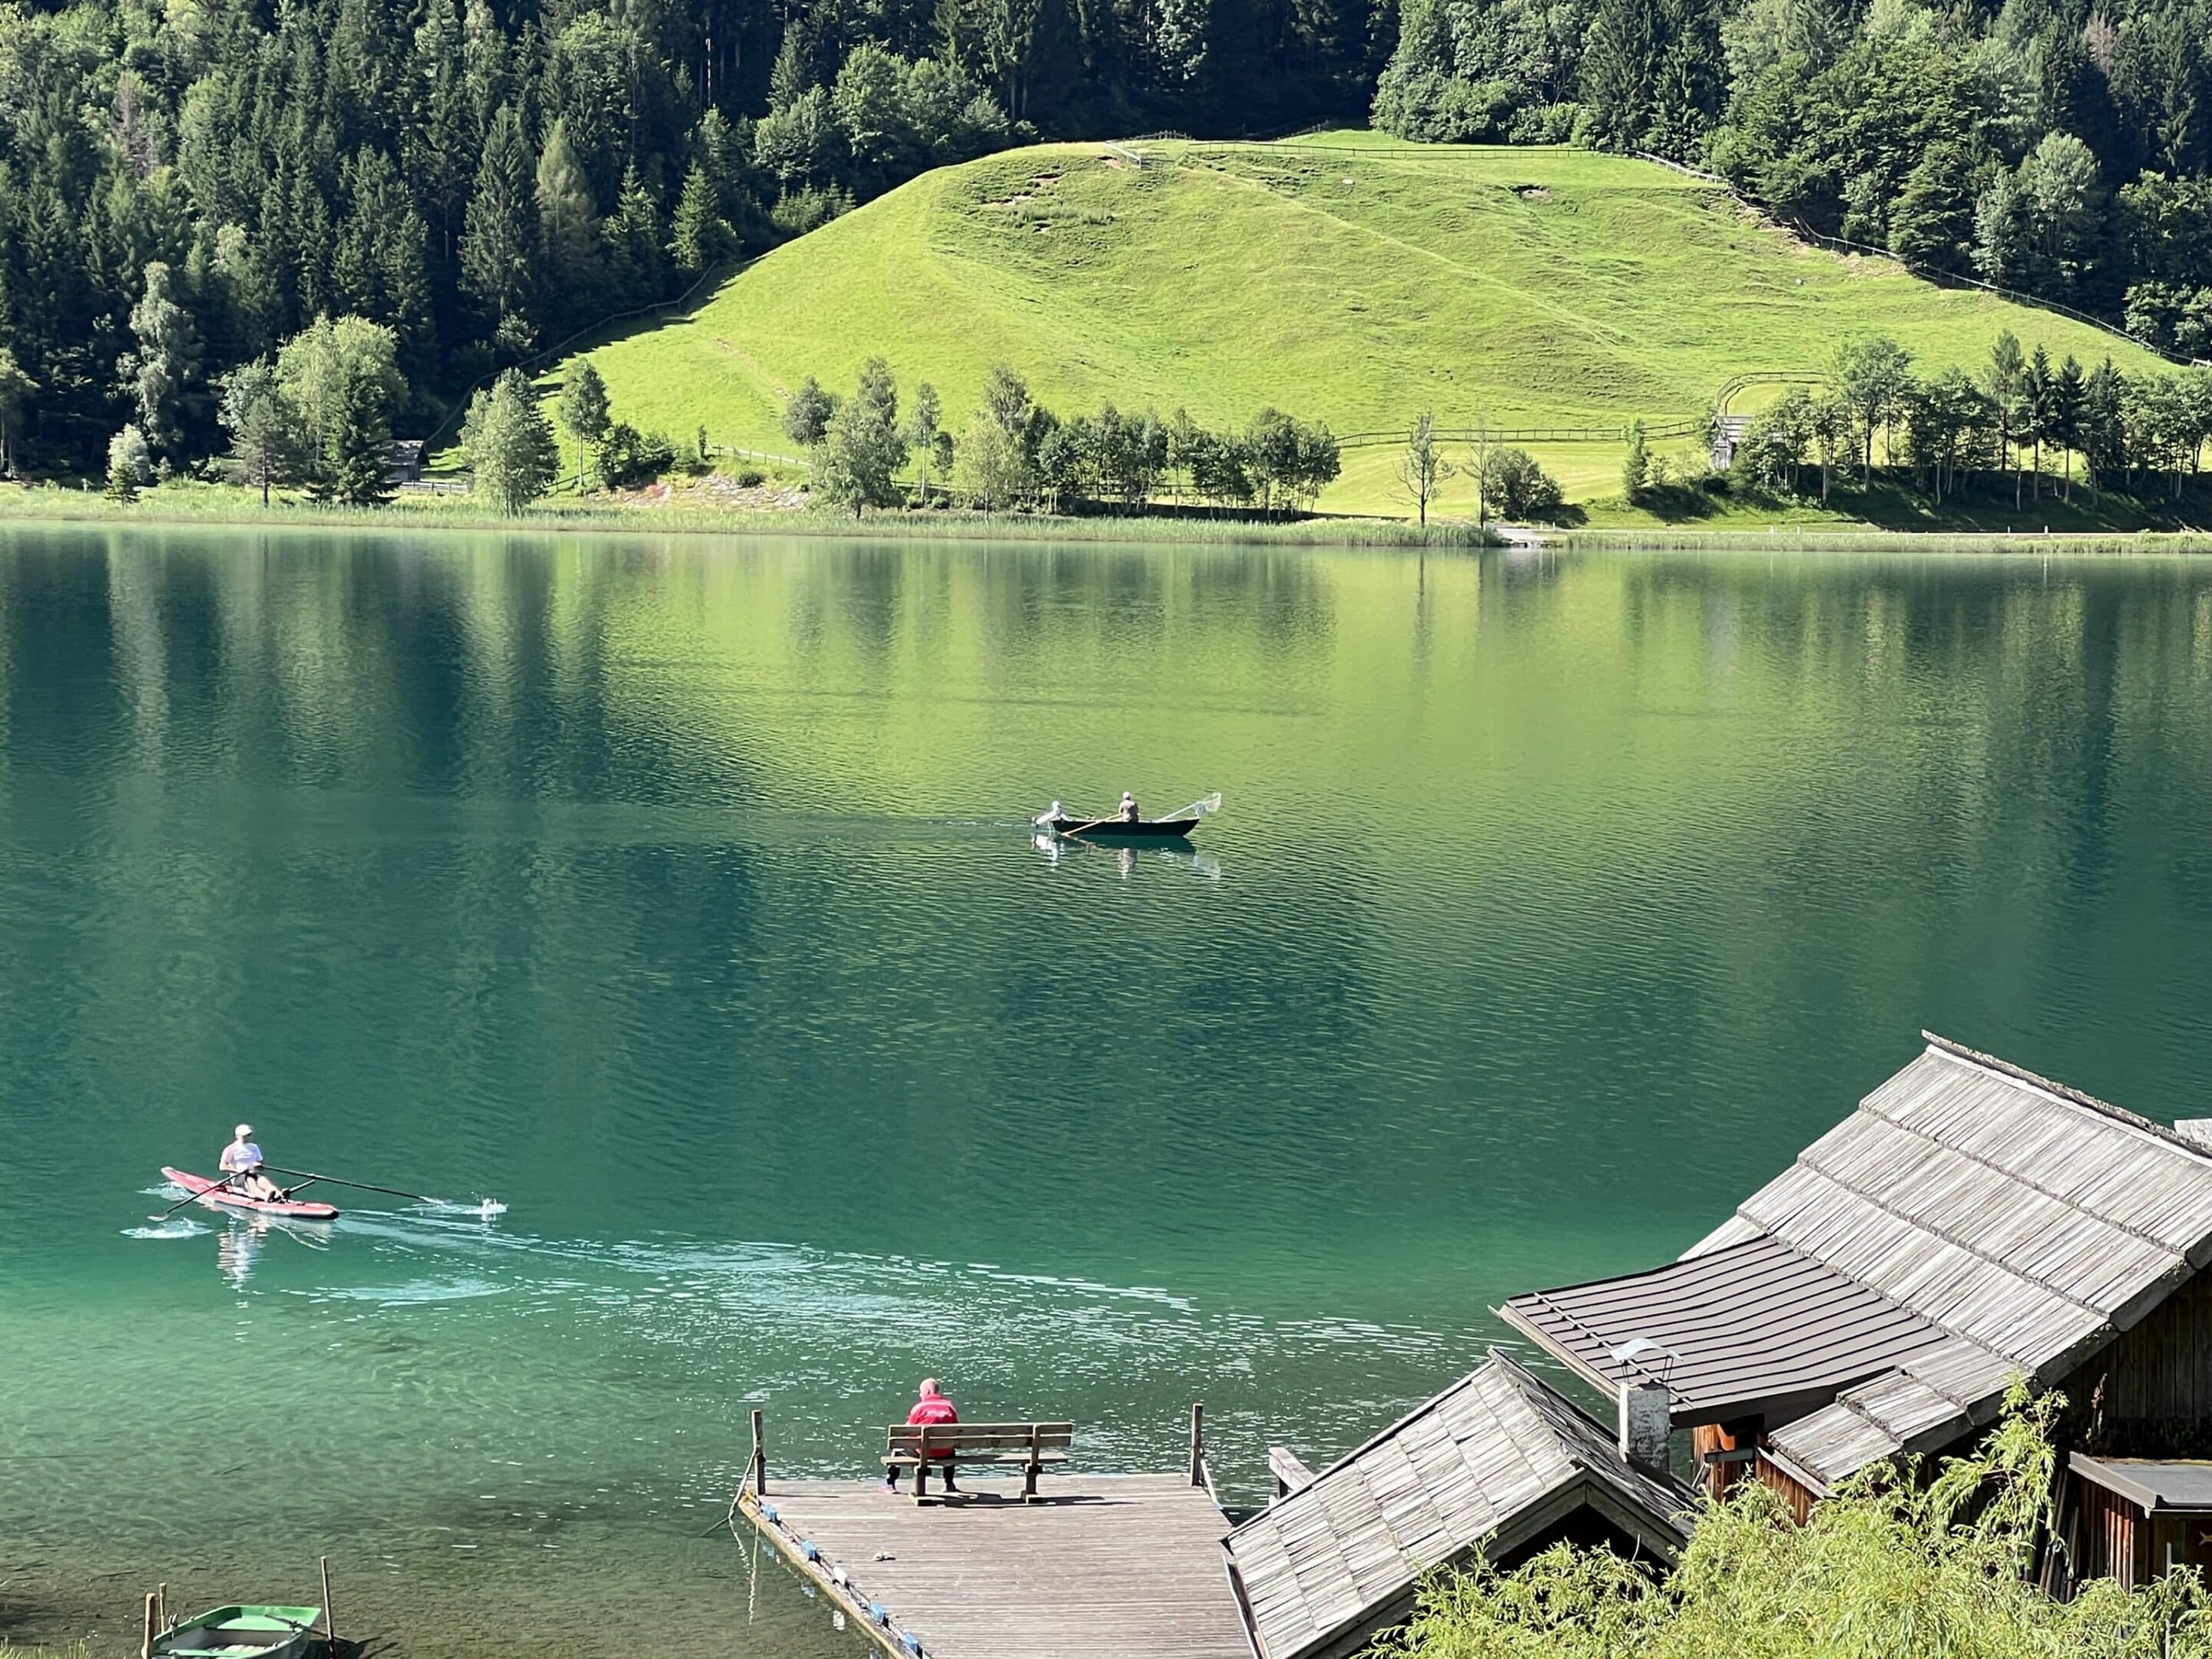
column 678, row 893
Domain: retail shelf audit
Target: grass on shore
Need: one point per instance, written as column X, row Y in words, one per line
column 1350, row 278
column 182, row 503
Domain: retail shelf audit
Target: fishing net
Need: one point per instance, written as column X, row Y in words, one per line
column 1199, row 809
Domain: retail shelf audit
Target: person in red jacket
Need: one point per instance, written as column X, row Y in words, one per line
column 933, row 1409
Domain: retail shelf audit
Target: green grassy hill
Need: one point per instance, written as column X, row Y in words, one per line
column 1349, row 277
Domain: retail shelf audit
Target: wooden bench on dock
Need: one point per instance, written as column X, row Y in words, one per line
column 921, row 1446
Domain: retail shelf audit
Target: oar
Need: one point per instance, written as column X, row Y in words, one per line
column 1082, row 829
column 224, row 1186
column 305, row 1176
column 219, row 1186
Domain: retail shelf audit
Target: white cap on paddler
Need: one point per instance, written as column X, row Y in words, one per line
column 244, row 1131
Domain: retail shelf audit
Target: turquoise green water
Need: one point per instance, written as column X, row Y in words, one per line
column 678, row 895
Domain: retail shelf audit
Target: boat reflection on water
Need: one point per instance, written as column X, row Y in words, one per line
column 1059, row 849
column 238, row 1247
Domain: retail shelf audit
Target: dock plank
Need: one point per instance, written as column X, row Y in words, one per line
column 1108, row 1566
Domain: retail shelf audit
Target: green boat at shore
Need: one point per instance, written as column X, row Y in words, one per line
column 245, row 1631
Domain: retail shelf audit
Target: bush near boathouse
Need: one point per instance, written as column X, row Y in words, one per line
column 1890, row 1567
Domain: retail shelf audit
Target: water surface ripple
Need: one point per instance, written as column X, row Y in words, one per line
column 679, row 894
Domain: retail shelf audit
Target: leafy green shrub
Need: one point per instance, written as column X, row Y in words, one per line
column 628, row 456
column 802, row 210
column 1890, row 1565
column 749, row 478
column 1514, row 487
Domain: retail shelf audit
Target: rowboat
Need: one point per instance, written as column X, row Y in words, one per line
column 246, row 1631
column 1121, row 828
column 214, row 1192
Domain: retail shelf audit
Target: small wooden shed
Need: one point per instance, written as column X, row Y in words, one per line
column 2135, row 1519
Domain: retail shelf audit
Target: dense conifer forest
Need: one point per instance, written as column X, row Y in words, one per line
column 186, row 186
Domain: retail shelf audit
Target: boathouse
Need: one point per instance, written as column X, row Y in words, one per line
column 1500, row 1462
column 1971, row 1222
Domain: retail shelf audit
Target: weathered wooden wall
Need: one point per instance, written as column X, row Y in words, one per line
column 1794, row 1492
column 2110, row 1539
column 2150, row 1393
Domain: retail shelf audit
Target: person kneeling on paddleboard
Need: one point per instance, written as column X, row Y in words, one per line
column 241, row 1166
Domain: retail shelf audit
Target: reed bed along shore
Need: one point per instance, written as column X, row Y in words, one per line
column 1801, row 538
column 206, row 506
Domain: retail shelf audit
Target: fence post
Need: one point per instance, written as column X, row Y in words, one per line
column 757, row 1465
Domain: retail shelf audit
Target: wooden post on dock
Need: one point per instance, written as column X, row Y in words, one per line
column 756, row 1469
column 330, row 1617
column 146, row 1644
column 1198, row 1442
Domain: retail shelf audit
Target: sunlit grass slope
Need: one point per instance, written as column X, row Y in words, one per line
column 1348, row 277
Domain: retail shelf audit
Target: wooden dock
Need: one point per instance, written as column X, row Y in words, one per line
column 1106, row 1566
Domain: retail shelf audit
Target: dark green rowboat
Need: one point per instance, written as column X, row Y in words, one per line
column 245, row 1631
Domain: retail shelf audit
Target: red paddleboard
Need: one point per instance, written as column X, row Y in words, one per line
column 214, row 1192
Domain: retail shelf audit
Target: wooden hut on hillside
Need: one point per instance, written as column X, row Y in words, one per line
column 1500, row 1462
column 1970, row 1223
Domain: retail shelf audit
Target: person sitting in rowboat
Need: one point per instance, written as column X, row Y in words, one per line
column 241, row 1165
column 1128, row 812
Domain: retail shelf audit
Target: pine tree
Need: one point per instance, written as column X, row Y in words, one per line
column 263, row 427
column 700, row 238
column 130, row 464
column 500, row 239
column 637, row 260
column 442, row 137
column 569, row 223
column 1620, row 65
column 355, row 465
column 2066, row 405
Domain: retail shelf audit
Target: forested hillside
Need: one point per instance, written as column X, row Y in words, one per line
column 185, row 185
column 2055, row 147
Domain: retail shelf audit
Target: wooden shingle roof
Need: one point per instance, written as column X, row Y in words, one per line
column 1488, row 1464
column 2021, row 1223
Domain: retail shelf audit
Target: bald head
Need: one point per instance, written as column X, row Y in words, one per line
column 929, row 1388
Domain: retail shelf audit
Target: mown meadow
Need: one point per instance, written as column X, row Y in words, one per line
column 1348, row 276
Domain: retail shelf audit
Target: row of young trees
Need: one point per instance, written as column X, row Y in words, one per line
column 2055, row 147
column 2018, row 415
column 1013, row 452
column 1508, row 482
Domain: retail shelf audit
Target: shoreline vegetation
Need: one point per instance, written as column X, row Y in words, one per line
column 188, row 506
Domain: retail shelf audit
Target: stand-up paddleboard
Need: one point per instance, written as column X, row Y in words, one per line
column 214, row 1192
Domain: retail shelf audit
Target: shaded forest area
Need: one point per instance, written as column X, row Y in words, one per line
column 185, row 185
column 2055, row 147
